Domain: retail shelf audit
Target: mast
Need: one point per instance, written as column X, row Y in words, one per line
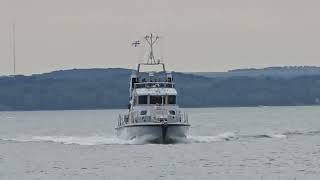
column 14, row 48
column 151, row 40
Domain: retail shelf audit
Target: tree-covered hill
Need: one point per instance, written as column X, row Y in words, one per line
column 108, row 88
column 286, row 72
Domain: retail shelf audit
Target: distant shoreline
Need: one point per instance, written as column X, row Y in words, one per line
column 90, row 89
column 123, row 109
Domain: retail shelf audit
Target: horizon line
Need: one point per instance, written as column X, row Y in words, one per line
column 236, row 69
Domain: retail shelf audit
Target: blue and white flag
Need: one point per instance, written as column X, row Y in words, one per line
column 136, row 43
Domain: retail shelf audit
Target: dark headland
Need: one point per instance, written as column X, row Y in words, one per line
column 108, row 88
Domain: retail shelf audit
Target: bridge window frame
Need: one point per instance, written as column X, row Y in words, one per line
column 171, row 99
column 143, row 99
column 156, row 99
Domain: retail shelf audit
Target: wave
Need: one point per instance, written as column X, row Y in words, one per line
column 229, row 136
column 105, row 140
column 79, row 140
column 207, row 139
column 112, row 140
column 265, row 136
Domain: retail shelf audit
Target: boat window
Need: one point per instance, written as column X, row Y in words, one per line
column 171, row 99
column 143, row 112
column 143, row 99
column 172, row 112
column 134, row 80
column 155, row 99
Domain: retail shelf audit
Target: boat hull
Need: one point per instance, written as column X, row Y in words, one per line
column 154, row 132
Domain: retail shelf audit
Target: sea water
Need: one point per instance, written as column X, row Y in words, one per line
column 223, row 143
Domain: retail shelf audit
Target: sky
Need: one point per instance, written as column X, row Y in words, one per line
column 202, row 35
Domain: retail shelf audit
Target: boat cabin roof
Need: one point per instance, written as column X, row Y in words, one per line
column 155, row 91
column 152, row 80
column 151, row 76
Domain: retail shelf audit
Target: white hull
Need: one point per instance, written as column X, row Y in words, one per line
column 154, row 115
column 154, row 132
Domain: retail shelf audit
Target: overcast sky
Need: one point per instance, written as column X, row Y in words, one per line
column 198, row 35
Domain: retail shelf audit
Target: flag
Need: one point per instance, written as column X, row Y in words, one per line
column 136, row 43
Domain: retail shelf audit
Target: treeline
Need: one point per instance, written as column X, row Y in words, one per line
column 108, row 88
column 286, row 72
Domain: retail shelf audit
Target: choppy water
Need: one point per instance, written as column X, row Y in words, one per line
column 224, row 143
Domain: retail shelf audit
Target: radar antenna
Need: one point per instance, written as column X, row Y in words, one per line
column 14, row 48
column 151, row 40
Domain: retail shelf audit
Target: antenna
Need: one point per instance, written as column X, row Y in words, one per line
column 151, row 40
column 14, row 48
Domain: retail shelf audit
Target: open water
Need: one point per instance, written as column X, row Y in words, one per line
column 223, row 143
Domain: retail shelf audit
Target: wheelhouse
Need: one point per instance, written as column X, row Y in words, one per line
column 155, row 100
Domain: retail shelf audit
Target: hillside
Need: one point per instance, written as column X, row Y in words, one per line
column 108, row 88
column 279, row 72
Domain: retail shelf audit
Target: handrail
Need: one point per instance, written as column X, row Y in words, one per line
column 132, row 118
column 154, row 85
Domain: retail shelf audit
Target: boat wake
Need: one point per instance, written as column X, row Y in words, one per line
column 207, row 139
column 112, row 140
column 78, row 140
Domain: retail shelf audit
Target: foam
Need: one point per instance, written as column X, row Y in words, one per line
column 79, row 140
column 207, row 139
column 113, row 140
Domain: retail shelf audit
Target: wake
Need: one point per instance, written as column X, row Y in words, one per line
column 78, row 140
column 113, row 140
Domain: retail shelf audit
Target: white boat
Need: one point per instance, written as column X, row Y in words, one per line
column 153, row 113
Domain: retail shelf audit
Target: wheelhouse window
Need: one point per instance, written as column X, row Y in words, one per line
column 143, row 99
column 172, row 99
column 156, row 99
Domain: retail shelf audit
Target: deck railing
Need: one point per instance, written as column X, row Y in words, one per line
column 179, row 117
column 184, row 117
column 123, row 119
column 154, row 85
